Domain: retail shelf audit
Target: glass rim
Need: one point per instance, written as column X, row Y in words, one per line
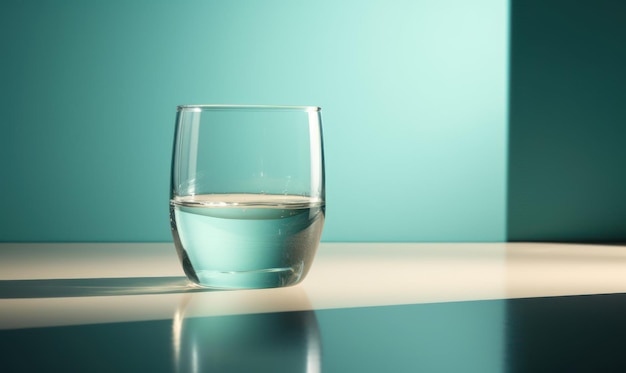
column 213, row 107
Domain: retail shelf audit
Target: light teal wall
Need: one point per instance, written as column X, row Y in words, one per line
column 413, row 96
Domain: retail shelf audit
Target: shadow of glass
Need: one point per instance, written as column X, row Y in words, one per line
column 88, row 287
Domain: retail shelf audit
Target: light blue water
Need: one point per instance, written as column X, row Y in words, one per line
column 246, row 241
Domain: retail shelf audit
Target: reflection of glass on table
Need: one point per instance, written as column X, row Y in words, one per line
column 259, row 342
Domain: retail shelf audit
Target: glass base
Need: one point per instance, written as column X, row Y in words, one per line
column 265, row 278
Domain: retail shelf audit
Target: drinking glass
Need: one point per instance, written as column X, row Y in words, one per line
column 247, row 200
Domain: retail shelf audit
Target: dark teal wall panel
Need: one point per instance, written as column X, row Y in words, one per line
column 567, row 135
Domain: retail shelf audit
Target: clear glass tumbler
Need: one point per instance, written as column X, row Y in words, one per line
column 247, row 200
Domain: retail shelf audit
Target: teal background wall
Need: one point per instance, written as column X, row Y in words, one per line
column 414, row 98
column 567, row 135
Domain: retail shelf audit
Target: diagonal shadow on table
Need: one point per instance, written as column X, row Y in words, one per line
column 88, row 287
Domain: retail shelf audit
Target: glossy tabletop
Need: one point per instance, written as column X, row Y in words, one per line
column 364, row 307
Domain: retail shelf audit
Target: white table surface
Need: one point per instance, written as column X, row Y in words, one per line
column 54, row 284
